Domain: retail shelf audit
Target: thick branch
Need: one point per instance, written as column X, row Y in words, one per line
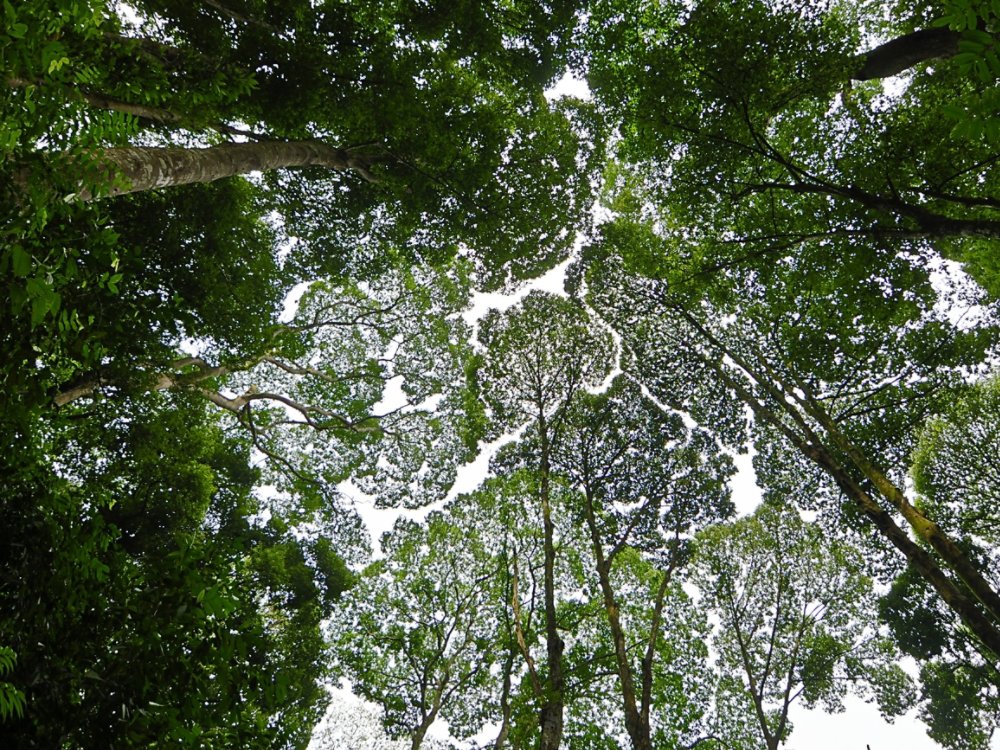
column 925, row 528
column 918, row 557
column 904, row 52
column 536, row 683
column 164, row 380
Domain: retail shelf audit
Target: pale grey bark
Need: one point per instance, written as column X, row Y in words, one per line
column 132, row 170
column 164, row 380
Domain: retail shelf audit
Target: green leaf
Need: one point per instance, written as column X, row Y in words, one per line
column 980, row 37
column 7, row 659
column 20, row 261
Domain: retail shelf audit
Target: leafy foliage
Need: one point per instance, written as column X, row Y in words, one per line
column 782, row 260
column 794, row 624
column 143, row 550
column 953, row 464
column 11, row 699
column 414, row 633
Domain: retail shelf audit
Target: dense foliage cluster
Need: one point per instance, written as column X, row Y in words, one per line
column 243, row 246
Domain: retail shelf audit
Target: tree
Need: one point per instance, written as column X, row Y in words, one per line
column 145, row 601
column 539, row 356
column 774, row 270
column 644, row 482
column 309, row 396
column 953, row 476
column 795, row 622
column 742, row 124
column 953, row 471
column 825, row 366
column 353, row 725
column 425, row 99
column 503, row 516
column 413, row 635
column 424, row 109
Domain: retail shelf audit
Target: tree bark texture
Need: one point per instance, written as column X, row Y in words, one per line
column 133, row 170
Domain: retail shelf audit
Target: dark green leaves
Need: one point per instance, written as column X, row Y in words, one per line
column 11, row 699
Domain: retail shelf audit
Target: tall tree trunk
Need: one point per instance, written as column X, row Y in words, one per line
column 638, row 730
column 551, row 715
column 924, row 528
column 956, row 598
column 904, row 52
column 968, row 600
column 646, row 701
column 132, row 170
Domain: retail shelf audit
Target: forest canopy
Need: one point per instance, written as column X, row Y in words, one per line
column 247, row 256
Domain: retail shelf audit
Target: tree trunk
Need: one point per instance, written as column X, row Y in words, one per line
column 505, row 710
column 904, row 52
column 551, row 715
column 417, row 738
column 924, row 528
column 961, row 600
column 638, row 730
column 426, row 720
column 810, row 446
column 646, row 700
column 132, row 170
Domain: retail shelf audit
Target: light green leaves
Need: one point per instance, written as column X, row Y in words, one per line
column 796, row 621
column 954, row 467
column 370, row 382
column 539, row 355
column 417, row 634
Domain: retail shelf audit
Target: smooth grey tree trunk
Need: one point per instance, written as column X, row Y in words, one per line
column 135, row 169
